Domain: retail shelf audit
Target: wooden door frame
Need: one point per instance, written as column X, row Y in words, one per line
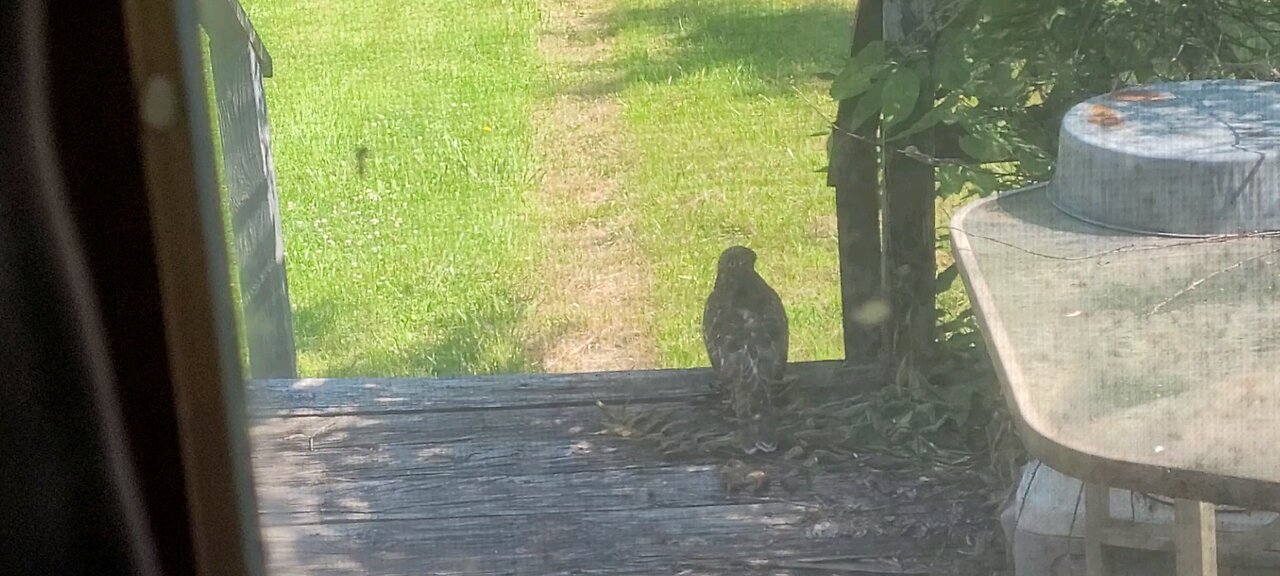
column 194, row 283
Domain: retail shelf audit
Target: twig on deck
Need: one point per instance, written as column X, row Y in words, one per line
column 311, row 440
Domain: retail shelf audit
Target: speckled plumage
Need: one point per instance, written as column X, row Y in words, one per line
column 744, row 327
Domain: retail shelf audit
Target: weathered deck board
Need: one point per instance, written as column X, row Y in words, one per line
column 507, row 475
column 457, row 445
column 351, row 499
column 639, row 542
column 318, row 396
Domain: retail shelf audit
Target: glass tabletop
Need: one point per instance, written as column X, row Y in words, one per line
column 1136, row 361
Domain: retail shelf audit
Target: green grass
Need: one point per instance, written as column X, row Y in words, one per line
column 426, row 264
column 416, row 267
column 720, row 102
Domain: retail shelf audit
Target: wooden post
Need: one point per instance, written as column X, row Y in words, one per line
column 854, row 171
column 909, row 260
column 239, row 65
column 216, row 474
column 1097, row 516
column 1195, row 538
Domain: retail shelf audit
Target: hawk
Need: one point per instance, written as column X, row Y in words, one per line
column 744, row 328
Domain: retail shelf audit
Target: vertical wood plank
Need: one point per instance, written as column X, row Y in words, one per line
column 238, row 61
column 1195, row 536
column 910, row 268
column 854, row 171
column 1097, row 515
column 187, row 226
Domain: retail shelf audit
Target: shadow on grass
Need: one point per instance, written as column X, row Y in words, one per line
column 769, row 46
column 483, row 340
column 313, row 323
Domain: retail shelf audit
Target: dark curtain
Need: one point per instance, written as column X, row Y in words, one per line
column 89, row 453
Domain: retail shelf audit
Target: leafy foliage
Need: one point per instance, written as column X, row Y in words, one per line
column 1005, row 72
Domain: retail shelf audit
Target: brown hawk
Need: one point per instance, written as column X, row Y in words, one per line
column 744, row 328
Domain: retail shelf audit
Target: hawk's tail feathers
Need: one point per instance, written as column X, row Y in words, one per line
column 751, row 395
column 758, row 435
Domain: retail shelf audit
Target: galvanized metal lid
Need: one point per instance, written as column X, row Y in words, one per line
column 1195, row 158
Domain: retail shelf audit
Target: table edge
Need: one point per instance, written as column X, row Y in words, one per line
column 1070, row 460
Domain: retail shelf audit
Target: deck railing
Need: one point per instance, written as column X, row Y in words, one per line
column 240, row 63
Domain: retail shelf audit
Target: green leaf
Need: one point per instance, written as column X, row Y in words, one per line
column 1034, row 164
column 950, row 67
column 1053, row 18
column 868, row 105
column 899, row 94
column 960, row 399
column 985, row 182
column 984, row 146
column 1005, row 8
column 951, row 180
column 952, row 327
column 964, row 340
column 860, row 72
column 938, row 113
column 1002, row 85
column 946, row 278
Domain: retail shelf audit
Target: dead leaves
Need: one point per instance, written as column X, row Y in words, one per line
column 1104, row 116
column 1108, row 117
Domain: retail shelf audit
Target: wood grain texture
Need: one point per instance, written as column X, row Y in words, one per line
column 1195, row 534
column 318, row 396
column 240, row 63
column 1097, row 505
column 663, row 541
column 199, row 330
column 910, row 265
column 228, row 20
column 510, row 475
column 854, row 171
column 463, row 465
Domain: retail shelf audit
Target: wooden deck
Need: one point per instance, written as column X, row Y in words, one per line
column 510, row 475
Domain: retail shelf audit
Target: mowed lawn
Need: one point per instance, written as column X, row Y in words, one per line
column 721, row 101
column 426, row 263
column 416, row 267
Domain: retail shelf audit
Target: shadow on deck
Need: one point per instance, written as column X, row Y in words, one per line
column 510, row 475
